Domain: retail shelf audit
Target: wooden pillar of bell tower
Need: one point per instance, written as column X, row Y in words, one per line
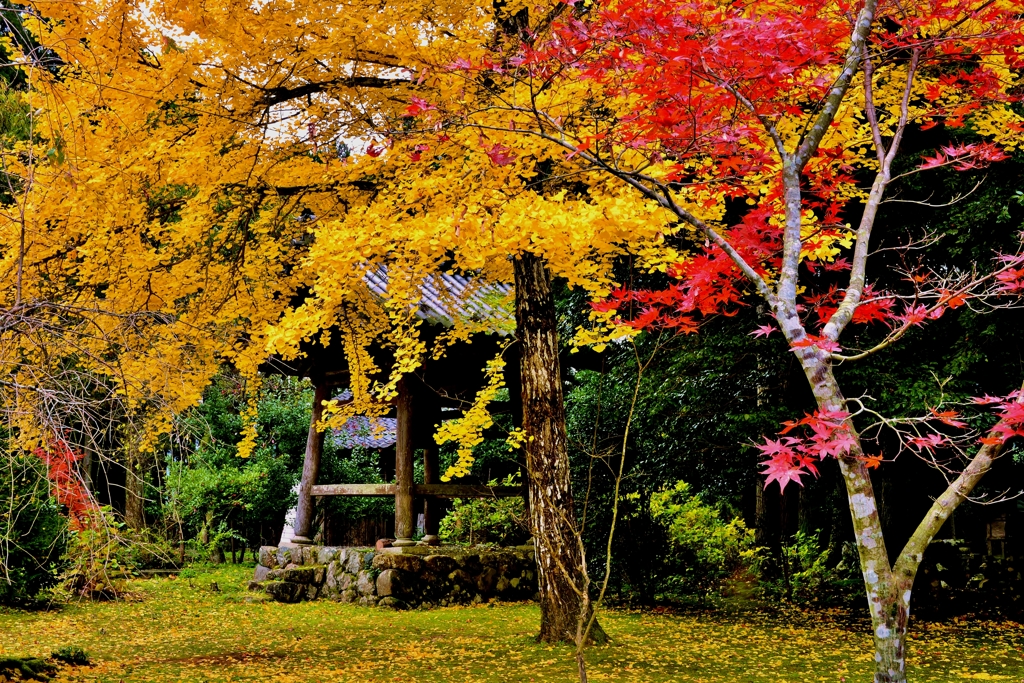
column 405, row 518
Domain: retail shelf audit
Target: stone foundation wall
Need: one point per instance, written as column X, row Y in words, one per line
column 400, row 578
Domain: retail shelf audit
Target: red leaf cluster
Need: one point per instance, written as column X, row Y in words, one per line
column 1011, row 278
column 66, row 483
column 965, row 157
column 1011, row 418
column 874, row 306
column 708, row 283
column 703, row 78
column 417, row 106
column 823, row 434
column 500, row 155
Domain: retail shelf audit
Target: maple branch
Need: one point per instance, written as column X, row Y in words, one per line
column 910, row 558
column 786, row 308
column 951, row 161
column 837, row 94
column 901, row 127
column 869, row 105
column 858, row 271
column 957, row 198
column 278, row 94
column 766, row 123
column 962, row 292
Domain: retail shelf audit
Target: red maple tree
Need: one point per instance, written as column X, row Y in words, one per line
column 710, row 102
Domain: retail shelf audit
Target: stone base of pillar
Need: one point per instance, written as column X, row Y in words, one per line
column 302, row 540
column 403, row 542
column 430, row 540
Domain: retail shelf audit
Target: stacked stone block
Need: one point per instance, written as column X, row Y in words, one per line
column 399, row 578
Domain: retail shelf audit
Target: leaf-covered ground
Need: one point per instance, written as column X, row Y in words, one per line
column 177, row 632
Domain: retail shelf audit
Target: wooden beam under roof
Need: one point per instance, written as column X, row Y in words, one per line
column 434, row 490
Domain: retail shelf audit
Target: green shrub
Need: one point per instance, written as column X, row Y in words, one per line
column 104, row 552
column 236, row 499
column 26, row 668
column 360, row 465
column 71, row 654
column 809, row 575
column 33, row 532
column 704, row 549
column 210, row 494
column 497, row 521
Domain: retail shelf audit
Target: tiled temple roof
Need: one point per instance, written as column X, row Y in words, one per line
column 446, row 297
column 378, row 432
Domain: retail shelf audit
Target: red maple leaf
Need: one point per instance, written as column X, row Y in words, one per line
column 782, row 470
column 872, row 462
column 417, row 106
column 947, row 417
column 500, row 155
column 823, row 343
column 929, row 443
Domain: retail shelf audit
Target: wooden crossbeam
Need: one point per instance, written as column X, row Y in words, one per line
column 354, row 490
column 467, row 491
column 431, row 490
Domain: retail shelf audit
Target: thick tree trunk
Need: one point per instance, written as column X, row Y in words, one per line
column 888, row 586
column 310, row 468
column 560, row 561
column 760, row 516
column 888, row 594
column 85, row 466
column 135, row 490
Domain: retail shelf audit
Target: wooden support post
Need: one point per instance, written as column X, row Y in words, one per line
column 310, row 468
column 405, row 520
column 431, row 506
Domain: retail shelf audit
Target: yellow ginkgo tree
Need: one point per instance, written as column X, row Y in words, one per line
column 233, row 171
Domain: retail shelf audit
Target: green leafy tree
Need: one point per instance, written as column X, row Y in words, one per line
column 214, row 495
column 33, row 532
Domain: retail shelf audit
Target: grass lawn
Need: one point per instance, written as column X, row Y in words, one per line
column 174, row 632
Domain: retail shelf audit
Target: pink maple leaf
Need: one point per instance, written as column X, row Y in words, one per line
column 782, row 471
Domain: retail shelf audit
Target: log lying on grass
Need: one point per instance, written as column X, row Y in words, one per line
column 25, row 668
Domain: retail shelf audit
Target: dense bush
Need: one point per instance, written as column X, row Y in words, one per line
column 357, row 466
column 235, row 499
column 33, row 532
column 71, row 654
column 694, row 419
column 704, row 549
column 500, row 521
column 213, row 497
column 954, row 581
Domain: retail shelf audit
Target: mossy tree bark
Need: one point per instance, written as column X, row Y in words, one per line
column 135, row 488
column 559, row 551
column 303, row 529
